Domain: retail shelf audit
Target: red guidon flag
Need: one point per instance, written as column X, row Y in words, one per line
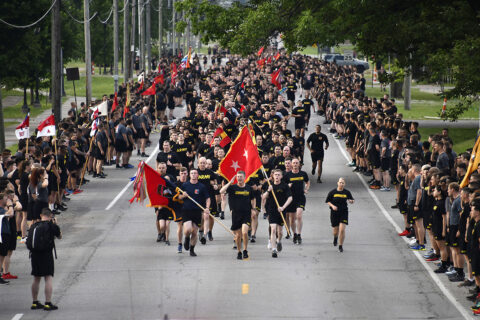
column 115, row 102
column 150, row 91
column 225, row 138
column 46, row 127
column 159, row 79
column 243, row 155
column 260, row 51
column 277, row 78
column 23, row 130
column 156, row 186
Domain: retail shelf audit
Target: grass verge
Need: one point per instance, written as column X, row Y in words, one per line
column 463, row 138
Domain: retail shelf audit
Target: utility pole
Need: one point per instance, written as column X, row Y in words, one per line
column 56, row 63
column 408, row 89
column 2, row 126
column 126, row 60
column 115, row 44
column 88, row 53
column 141, row 22
column 173, row 29
column 160, row 28
column 148, row 35
column 132, row 40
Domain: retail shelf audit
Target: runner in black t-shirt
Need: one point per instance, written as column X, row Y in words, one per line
column 315, row 144
column 242, row 203
column 284, row 197
column 337, row 201
column 209, row 179
column 299, row 184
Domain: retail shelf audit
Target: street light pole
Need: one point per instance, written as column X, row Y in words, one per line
column 115, row 45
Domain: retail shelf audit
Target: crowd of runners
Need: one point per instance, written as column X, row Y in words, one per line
column 219, row 95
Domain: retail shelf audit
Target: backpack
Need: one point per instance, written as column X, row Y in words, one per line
column 40, row 237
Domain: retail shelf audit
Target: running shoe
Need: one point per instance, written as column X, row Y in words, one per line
column 77, row 191
column 279, row 246
column 313, row 171
column 179, row 248
column 274, row 253
column 467, row 283
column 269, row 245
column 128, row 166
column 335, row 239
column 203, row 240
column 457, row 278
column 186, row 245
column 340, row 248
column 419, row 247
column 253, row 240
column 36, row 305
column 222, row 215
column 351, row 164
column 451, row 273
column 49, row 306
column 385, row 189
column 429, row 253
column 8, row 276
column 434, row 258
column 357, row 169
column 375, row 186
column 412, row 242
column 319, row 180
column 294, row 238
column 239, row 255
column 299, row 239
column 24, row 240
column 192, row 253
column 404, row 233
column 245, row 254
column 288, row 236
column 159, row 237
column 441, row 269
column 210, row 236
column 167, row 242
column 3, row 281
column 265, row 215
column 395, row 206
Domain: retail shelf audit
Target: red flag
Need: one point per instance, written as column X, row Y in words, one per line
column 242, row 108
column 23, row 130
column 277, row 56
column 150, row 91
column 225, row 138
column 47, row 127
column 259, row 53
column 221, row 109
column 261, row 62
column 269, row 60
column 115, row 102
column 243, row 155
column 155, row 187
column 173, row 68
column 277, row 78
column 159, row 79
column 125, row 111
column 242, row 85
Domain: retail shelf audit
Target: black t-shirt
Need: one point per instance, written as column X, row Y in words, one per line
column 239, row 198
column 206, row 177
column 339, row 199
column 165, row 157
column 181, row 152
column 282, row 192
column 317, row 140
column 301, row 112
column 298, row 181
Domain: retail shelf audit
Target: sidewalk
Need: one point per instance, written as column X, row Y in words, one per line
column 11, row 139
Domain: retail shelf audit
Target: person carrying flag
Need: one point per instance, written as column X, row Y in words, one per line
column 278, row 197
column 241, row 201
column 193, row 190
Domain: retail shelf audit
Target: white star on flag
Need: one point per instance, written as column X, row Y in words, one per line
column 246, row 154
column 235, row 165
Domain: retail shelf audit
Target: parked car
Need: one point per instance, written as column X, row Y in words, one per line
column 349, row 61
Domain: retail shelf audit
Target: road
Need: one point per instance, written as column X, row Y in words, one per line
column 110, row 267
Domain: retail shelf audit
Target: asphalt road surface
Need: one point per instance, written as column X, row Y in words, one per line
column 111, row 267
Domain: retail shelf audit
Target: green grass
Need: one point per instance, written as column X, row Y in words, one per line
column 423, row 105
column 100, row 85
column 463, row 138
column 13, row 148
column 16, row 110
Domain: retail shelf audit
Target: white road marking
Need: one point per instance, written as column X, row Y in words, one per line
column 18, row 316
column 433, row 275
column 120, row 194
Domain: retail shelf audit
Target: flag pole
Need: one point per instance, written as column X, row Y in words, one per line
column 273, row 193
column 26, row 151
column 86, row 162
column 276, row 200
column 253, row 121
column 211, row 215
column 156, row 112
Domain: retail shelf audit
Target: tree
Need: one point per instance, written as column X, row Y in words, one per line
column 417, row 33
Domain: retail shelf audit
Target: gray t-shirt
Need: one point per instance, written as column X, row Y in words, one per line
column 412, row 191
column 455, row 211
column 443, row 162
column 386, row 144
column 121, row 129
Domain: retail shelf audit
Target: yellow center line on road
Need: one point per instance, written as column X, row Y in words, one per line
column 245, row 288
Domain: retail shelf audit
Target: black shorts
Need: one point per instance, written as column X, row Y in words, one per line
column 338, row 217
column 299, row 124
column 4, row 244
column 42, row 263
column 374, row 161
column 274, row 217
column 317, row 156
column 385, row 164
column 297, row 202
column 30, row 212
column 475, row 261
column 37, row 209
column 413, row 215
column 239, row 219
column 120, row 145
column 164, row 214
column 452, row 240
column 213, row 206
column 403, row 208
column 258, row 200
column 140, row 134
column 171, row 105
column 98, row 155
column 193, row 215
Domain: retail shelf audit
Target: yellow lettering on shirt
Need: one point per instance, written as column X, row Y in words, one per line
column 204, row 177
column 339, row 195
column 296, row 179
column 242, row 193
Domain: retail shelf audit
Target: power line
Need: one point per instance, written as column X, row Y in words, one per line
column 124, row 6
column 76, row 20
column 108, row 18
column 32, row 24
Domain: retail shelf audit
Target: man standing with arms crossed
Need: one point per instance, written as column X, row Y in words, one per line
column 315, row 144
column 337, row 201
column 299, row 184
column 284, row 197
column 242, row 204
column 192, row 214
column 413, row 200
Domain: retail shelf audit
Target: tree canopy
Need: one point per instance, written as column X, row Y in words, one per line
column 436, row 36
